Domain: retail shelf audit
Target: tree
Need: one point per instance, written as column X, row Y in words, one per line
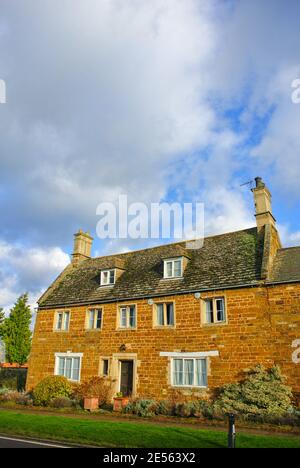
column 2, row 318
column 16, row 333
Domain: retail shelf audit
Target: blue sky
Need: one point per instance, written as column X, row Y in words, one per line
column 160, row 100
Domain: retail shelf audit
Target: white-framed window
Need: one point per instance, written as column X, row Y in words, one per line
column 62, row 320
column 164, row 314
column 173, row 268
column 68, row 365
column 94, row 319
column 189, row 372
column 108, row 277
column 127, row 316
column 215, row 310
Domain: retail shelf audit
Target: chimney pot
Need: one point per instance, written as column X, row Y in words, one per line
column 259, row 182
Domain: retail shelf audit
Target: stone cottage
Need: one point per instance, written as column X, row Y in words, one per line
column 168, row 317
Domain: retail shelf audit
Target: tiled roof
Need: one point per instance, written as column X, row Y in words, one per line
column 286, row 267
column 227, row 260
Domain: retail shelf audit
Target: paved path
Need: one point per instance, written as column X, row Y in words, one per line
column 16, row 442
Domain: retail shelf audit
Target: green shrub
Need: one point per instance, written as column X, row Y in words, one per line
column 262, row 393
column 165, row 408
column 51, row 387
column 142, row 408
column 62, row 402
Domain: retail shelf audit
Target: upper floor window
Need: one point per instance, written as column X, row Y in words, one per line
column 94, row 319
column 165, row 314
column 215, row 310
column 108, row 277
column 173, row 268
column 127, row 316
column 62, row 321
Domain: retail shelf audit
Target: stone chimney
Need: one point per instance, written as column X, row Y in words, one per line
column 263, row 205
column 82, row 247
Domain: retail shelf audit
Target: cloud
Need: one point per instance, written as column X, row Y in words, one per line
column 24, row 269
column 160, row 100
column 98, row 107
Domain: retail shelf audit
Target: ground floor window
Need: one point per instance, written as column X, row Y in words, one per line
column 68, row 365
column 189, row 372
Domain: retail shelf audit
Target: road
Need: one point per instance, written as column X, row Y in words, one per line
column 16, row 442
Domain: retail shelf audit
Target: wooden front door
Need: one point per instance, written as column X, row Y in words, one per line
column 126, row 378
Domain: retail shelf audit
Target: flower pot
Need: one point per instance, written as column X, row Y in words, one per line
column 120, row 403
column 91, row 404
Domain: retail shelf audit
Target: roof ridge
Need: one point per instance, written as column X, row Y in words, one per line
column 178, row 243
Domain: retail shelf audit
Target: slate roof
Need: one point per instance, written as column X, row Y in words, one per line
column 286, row 267
column 228, row 260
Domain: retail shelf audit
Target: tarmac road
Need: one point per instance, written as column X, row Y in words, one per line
column 16, row 442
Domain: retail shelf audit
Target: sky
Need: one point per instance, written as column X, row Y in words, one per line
column 161, row 100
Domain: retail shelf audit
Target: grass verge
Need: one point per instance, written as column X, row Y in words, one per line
column 129, row 434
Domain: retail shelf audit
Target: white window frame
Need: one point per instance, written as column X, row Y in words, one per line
column 172, row 261
column 215, row 310
column 194, row 359
column 127, row 326
column 87, row 323
column 102, row 276
column 72, row 356
column 164, row 304
column 64, row 314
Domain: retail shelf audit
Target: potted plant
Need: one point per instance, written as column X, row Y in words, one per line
column 94, row 393
column 120, row 401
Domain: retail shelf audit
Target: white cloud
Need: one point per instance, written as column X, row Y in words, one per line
column 31, row 270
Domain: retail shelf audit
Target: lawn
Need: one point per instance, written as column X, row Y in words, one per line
column 129, row 434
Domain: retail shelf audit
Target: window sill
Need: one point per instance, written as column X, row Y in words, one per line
column 164, row 327
column 188, row 387
column 174, row 278
column 61, row 331
column 93, row 330
column 126, row 329
column 217, row 324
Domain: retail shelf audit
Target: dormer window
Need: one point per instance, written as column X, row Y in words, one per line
column 173, row 268
column 108, row 277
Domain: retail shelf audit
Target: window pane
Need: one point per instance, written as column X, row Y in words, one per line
column 132, row 316
column 177, row 268
column 160, row 314
column 178, row 372
column 111, row 276
column 188, row 372
column 105, row 366
column 201, row 373
column 59, row 321
column 61, row 366
column 169, row 269
column 99, row 319
column 75, row 368
column 66, row 320
column 104, row 277
column 68, row 368
column 170, row 314
column 123, row 315
column 220, row 310
column 91, row 319
column 209, row 312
